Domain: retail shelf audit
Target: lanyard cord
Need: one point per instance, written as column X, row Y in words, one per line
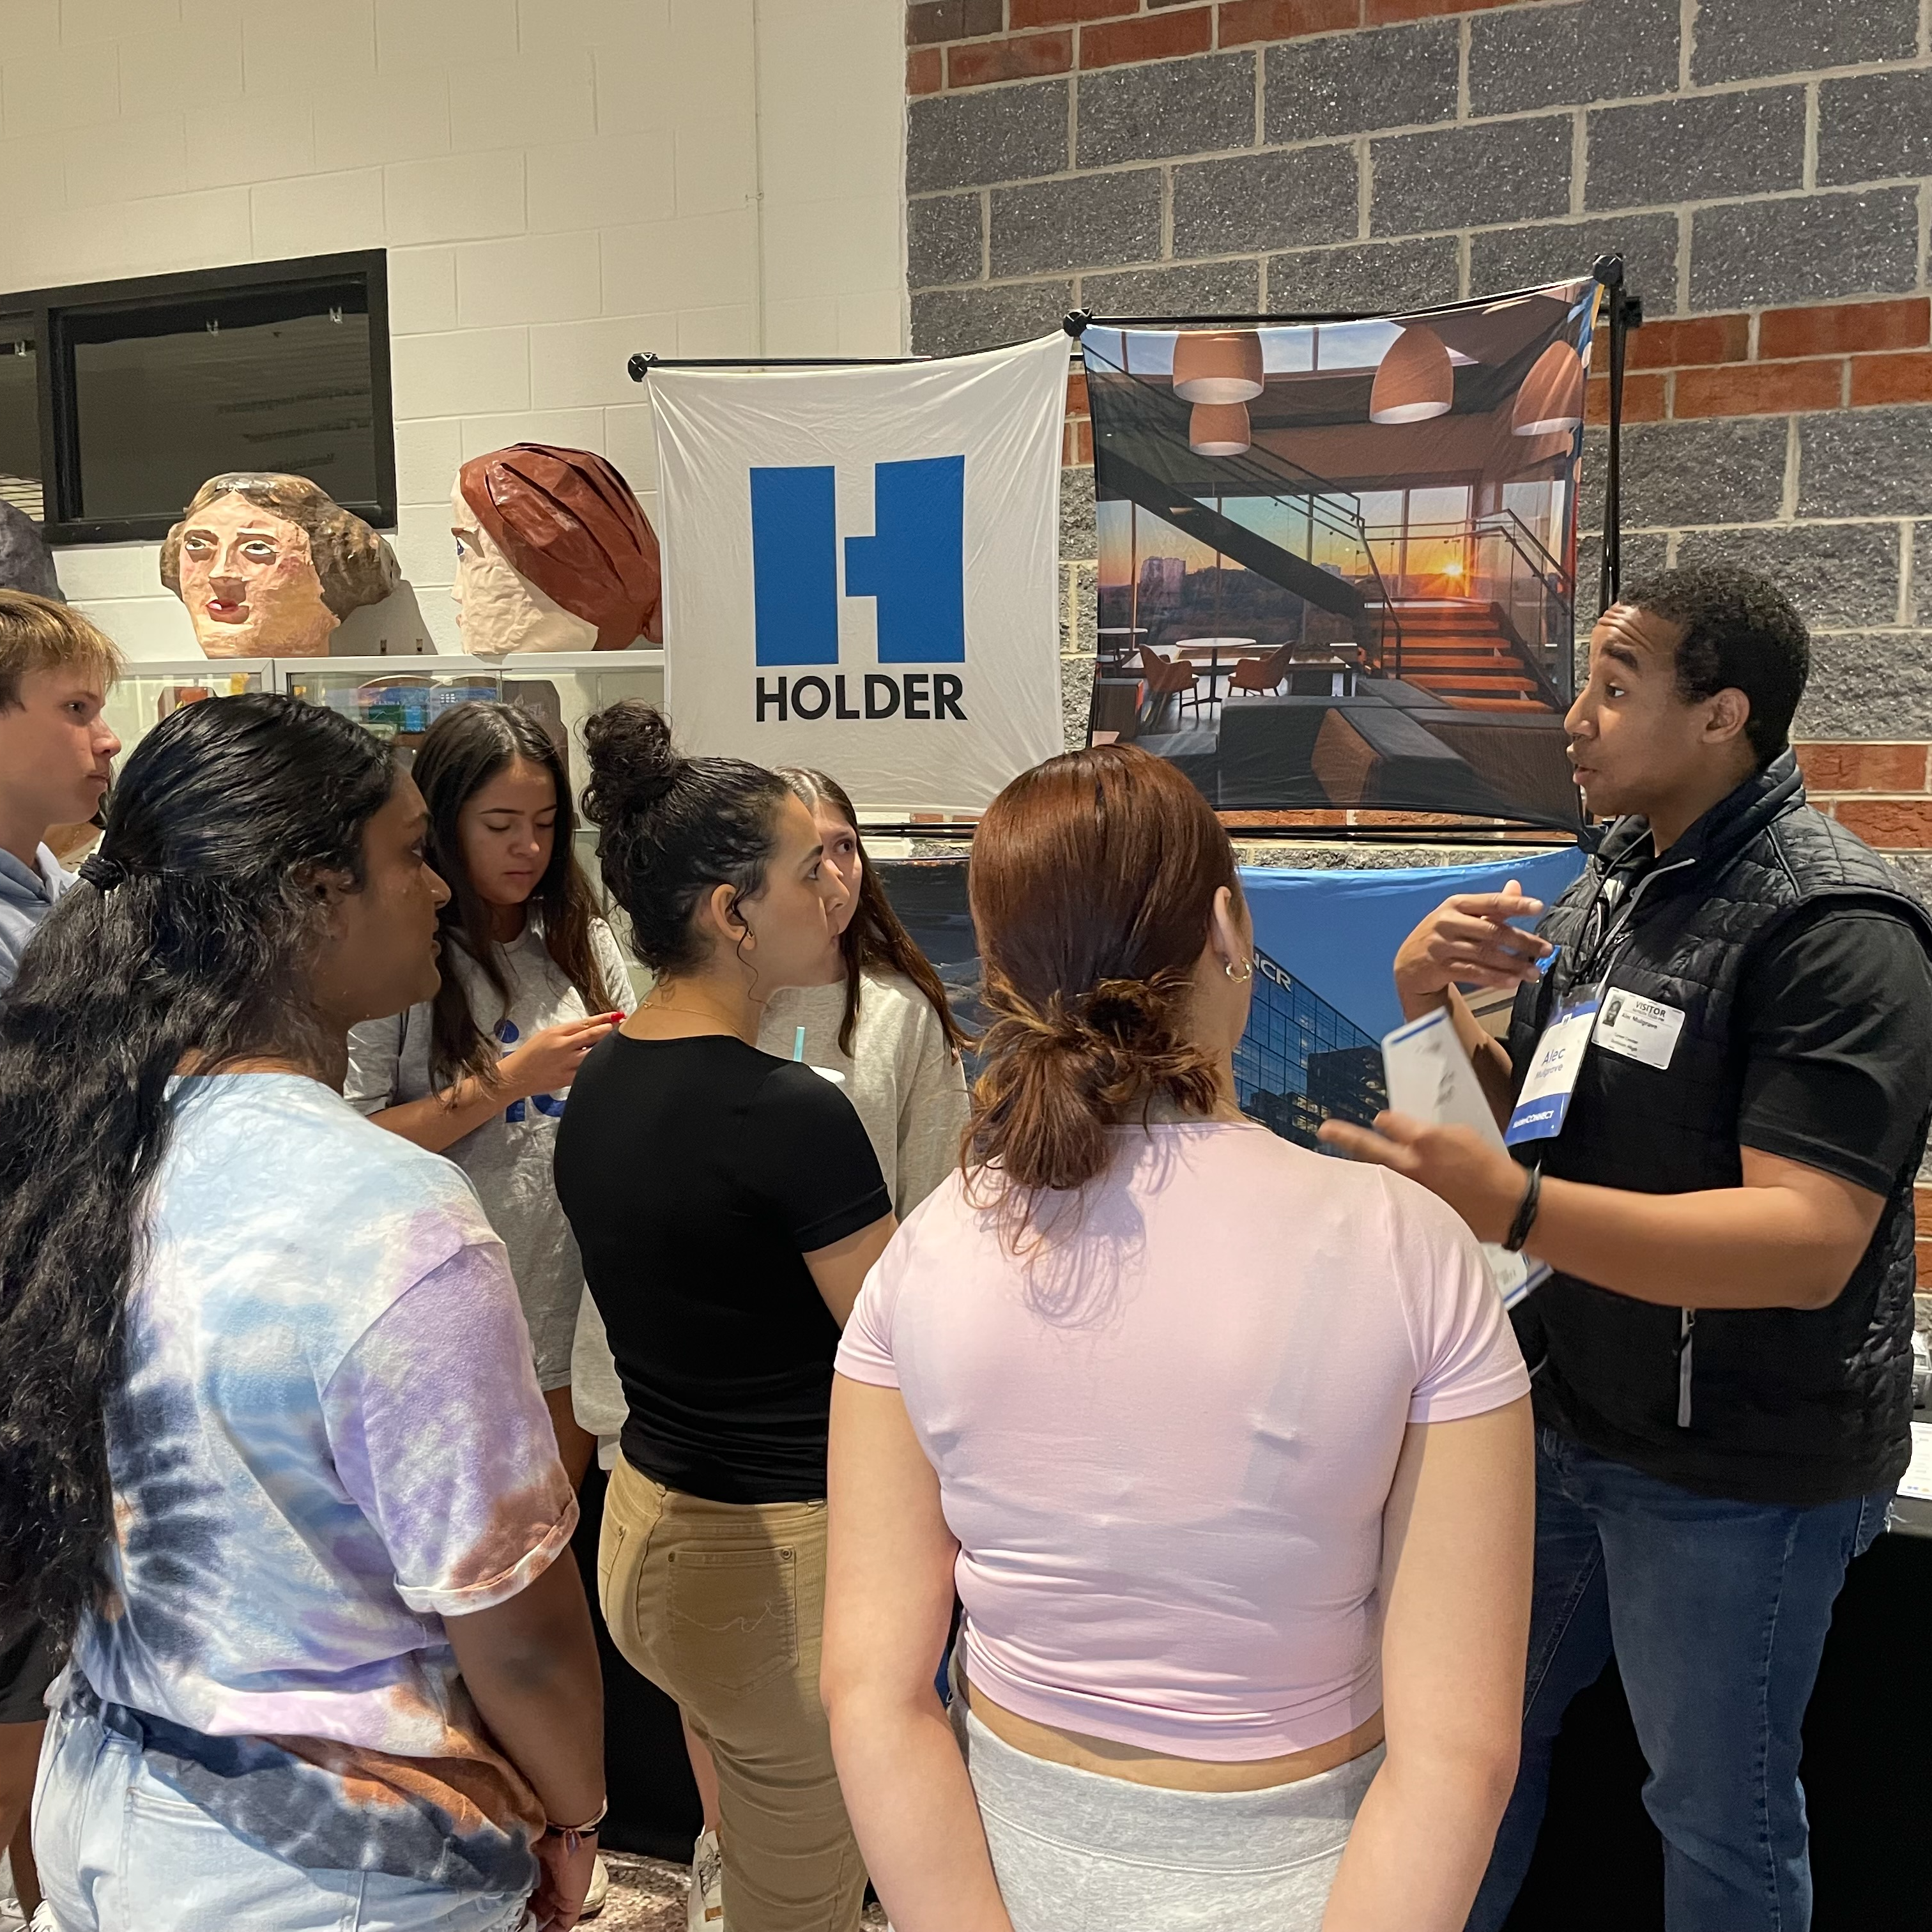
column 1597, row 942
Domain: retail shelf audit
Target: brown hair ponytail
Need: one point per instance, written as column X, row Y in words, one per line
column 1093, row 878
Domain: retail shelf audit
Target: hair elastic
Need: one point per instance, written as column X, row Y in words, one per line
column 102, row 873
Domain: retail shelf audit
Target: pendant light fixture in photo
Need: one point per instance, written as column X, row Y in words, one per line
column 1550, row 402
column 1415, row 380
column 1217, row 365
column 1218, row 429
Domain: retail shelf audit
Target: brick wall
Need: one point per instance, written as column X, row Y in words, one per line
column 1765, row 166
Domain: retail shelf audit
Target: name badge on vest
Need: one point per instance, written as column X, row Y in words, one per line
column 1639, row 1029
column 1545, row 1098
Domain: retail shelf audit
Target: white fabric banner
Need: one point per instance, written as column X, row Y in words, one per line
column 861, row 570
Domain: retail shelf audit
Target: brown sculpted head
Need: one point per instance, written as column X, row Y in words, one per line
column 553, row 553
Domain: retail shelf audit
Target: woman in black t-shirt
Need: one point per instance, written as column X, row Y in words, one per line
column 728, row 1205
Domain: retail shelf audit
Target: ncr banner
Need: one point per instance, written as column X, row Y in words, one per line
column 860, row 570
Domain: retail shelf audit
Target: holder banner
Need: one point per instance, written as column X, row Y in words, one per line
column 1324, row 996
column 1338, row 560
column 860, row 570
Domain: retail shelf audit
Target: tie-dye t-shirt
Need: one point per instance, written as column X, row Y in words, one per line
column 329, row 1438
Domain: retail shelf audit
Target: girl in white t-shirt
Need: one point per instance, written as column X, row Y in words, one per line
column 531, row 980
column 885, row 1027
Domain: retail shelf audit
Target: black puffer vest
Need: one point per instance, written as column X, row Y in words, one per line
column 1782, row 1406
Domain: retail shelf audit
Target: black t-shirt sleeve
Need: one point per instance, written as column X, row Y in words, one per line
column 1838, row 1013
column 809, row 1158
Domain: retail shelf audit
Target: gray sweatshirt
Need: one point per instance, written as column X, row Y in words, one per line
column 26, row 899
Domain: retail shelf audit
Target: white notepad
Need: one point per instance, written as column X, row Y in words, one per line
column 1917, row 1480
column 1430, row 1076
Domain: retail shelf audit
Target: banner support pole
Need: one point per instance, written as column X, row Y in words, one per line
column 1625, row 312
column 640, row 367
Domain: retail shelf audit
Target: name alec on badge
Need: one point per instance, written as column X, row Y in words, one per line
column 1543, row 1103
column 1645, row 1031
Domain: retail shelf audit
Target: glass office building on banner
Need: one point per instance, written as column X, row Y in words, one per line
column 1302, row 1061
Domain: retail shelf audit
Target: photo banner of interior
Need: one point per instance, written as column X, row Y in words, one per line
column 1323, row 995
column 1338, row 554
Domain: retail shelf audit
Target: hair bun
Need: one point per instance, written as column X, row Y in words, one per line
column 633, row 763
column 1126, row 1011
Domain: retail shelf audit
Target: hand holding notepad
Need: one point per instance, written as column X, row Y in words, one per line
column 1430, row 1078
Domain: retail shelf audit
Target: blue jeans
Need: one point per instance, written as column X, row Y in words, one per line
column 1717, row 1612
column 118, row 1851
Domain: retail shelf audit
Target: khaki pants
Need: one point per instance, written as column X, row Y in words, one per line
column 722, row 1605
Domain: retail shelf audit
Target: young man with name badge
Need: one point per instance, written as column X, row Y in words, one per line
column 1716, row 1089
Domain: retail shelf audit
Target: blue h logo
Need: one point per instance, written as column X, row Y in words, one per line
column 914, row 566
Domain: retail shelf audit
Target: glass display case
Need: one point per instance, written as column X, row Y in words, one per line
column 148, row 690
column 400, row 700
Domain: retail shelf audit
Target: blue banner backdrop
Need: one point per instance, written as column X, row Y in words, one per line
column 1323, row 993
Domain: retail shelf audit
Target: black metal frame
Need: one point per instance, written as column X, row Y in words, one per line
column 1625, row 312
column 53, row 310
column 640, row 365
column 1607, row 269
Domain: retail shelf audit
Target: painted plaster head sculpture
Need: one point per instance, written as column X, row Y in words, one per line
column 268, row 565
column 553, row 554
column 25, row 562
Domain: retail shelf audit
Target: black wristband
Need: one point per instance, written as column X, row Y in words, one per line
column 1525, row 1213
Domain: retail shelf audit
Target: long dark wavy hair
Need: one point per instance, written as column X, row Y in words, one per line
column 875, row 937
column 190, row 942
column 461, row 752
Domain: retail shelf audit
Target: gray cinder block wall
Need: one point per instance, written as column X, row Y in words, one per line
column 1765, row 166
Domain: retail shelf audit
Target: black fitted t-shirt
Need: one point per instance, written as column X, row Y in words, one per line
column 697, row 1174
column 1837, row 1014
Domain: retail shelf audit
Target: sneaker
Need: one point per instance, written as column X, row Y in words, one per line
column 704, row 1912
column 600, row 1888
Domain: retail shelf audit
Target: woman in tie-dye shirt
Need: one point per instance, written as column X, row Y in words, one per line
column 271, row 1445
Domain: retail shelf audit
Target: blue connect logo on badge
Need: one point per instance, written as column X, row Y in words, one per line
column 912, row 566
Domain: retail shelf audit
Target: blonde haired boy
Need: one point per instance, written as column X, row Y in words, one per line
column 56, row 756
column 56, row 752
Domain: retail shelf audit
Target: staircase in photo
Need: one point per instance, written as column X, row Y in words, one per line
column 1457, row 649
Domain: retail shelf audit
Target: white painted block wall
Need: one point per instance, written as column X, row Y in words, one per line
column 558, row 184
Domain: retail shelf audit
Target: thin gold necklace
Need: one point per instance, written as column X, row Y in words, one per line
column 651, row 1003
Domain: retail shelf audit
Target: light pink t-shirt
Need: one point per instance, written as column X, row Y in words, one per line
column 1164, row 1444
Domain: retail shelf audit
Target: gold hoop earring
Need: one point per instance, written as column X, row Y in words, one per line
column 1241, row 978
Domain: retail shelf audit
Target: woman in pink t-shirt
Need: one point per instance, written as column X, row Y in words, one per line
column 1225, row 1443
